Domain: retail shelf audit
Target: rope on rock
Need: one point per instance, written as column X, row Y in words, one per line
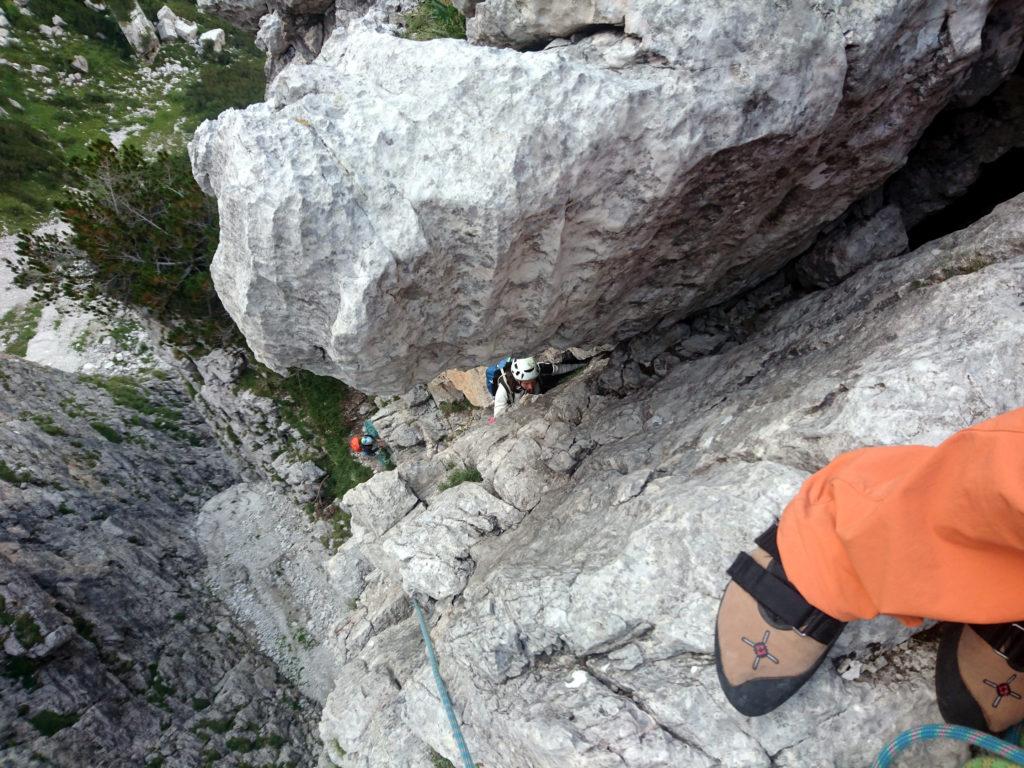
column 442, row 690
column 1012, row 754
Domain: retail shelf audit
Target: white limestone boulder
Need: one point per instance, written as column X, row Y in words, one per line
column 212, row 40
column 564, row 196
column 140, row 33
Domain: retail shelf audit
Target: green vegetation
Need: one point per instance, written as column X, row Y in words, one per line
column 147, row 234
column 459, row 476
column 314, row 406
column 11, row 476
column 440, row 762
column 49, row 722
column 26, row 630
column 18, row 326
column 216, row 726
column 39, row 145
column 432, row 19
column 45, row 423
column 458, row 406
column 158, row 690
column 107, row 431
column 244, row 744
column 22, row 669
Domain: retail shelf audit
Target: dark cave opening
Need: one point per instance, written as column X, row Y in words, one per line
column 997, row 182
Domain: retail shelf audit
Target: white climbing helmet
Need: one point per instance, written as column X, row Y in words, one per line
column 525, row 369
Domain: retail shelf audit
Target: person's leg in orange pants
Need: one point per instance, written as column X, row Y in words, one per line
column 915, row 531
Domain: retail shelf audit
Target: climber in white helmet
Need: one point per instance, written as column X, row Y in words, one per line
column 524, row 375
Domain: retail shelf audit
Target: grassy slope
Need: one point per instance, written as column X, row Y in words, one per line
column 52, row 130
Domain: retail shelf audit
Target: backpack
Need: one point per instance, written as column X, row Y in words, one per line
column 493, row 371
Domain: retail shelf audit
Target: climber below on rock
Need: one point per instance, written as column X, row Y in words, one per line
column 513, row 377
column 908, row 531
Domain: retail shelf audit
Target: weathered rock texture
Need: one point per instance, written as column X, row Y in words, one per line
column 113, row 652
column 577, row 584
column 140, row 32
column 268, row 566
column 573, row 194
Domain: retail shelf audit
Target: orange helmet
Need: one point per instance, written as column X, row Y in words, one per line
column 354, row 445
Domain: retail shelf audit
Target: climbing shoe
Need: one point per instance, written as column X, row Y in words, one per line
column 768, row 639
column 979, row 675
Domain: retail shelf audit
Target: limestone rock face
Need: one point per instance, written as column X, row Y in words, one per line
column 568, row 195
column 267, row 565
column 522, row 24
column 583, row 633
column 114, row 631
column 244, row 13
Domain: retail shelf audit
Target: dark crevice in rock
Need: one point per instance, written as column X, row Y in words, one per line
column 997, row 182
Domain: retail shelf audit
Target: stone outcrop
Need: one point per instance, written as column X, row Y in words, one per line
column 577, row 193
column 140, row 32
column 170, row 26
column 212, row 40
column 113, row 651
column 574, row 627
column 244, row 13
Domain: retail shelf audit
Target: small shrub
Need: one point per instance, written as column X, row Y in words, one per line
column 45, row 423
column 22, row 669
column 459, row 476
column 107, row 431
column 49, row 722
column 27, row 631
column 11, row 476
column 458, row 406
column 216, row 726
column 433, row 19
column 313, row 405
column 438, row 761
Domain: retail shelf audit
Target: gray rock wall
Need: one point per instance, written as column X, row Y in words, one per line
column 583, row 634
column 113, row 651
column 398, row 208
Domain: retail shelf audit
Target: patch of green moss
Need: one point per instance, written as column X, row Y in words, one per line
column 47, row 425
column 11, row 476
column 49, row 722
column 26, row 630
column 23, row 669
column 107, row 431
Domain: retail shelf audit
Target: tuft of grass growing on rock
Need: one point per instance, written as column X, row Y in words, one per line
column 27, row 631
column 12, row 476
column 49, row 722
column 107, row 431
column 439, row 761
column 459, row 476
column 458, row 406
column 433, row 19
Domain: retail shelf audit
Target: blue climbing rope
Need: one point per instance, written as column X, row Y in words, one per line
column 467, row 761
column 988, row 742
